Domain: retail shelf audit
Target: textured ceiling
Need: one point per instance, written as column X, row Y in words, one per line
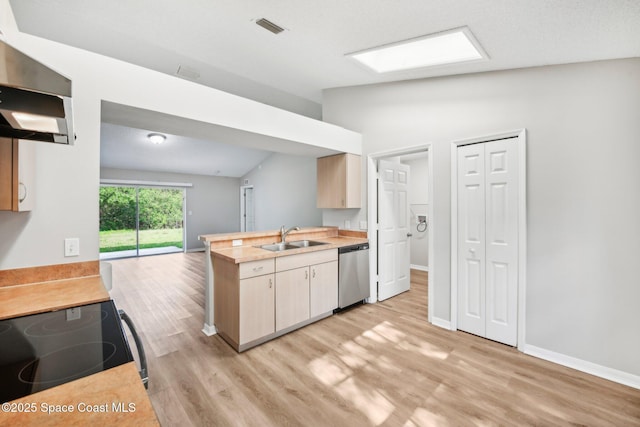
column 219, row 41
column 129, row 148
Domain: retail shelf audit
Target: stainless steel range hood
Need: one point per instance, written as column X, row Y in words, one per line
column 35, row 101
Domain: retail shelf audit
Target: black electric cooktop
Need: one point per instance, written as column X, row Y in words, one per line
column 44, row 350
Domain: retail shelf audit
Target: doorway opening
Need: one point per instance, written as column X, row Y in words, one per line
column 392, row 226
column 137, row 220
column 247, row 209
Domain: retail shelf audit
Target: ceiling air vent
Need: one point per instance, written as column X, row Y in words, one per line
column 268, row 25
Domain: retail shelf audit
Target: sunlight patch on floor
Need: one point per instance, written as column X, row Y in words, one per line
column 328, row 372
column 386, row 364
column 388, row 331
column 369, row 401
column 423, row 417
column 425, row 349
column 355, row 355
column 338, row 370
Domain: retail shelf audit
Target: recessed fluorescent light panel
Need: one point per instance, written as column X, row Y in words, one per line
column 448, row 47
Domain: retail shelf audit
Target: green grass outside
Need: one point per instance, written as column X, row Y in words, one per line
column 123, row 240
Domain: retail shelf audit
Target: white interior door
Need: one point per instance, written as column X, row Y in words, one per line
column 393, row 237
column 488, row 240
column 471, row 239
column 247, row 209
column 501, row 166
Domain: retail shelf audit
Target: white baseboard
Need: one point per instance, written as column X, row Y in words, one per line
column 419, row 267
column 209, row 330
column 584, row 366
column 196, row 250
column 445, row 324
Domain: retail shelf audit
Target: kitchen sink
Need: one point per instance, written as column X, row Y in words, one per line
column 277, row 247
column 306, row 243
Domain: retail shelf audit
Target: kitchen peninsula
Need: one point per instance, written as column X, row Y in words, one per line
column 259, row 288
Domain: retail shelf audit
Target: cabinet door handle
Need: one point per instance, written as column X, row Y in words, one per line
column 306, row 274
column 258, row 268
column 24, row 192
column 314, row 273
column 270, row 283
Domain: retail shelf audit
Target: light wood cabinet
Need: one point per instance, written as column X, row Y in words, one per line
column 338, row 181
column 292, row 297
column 244, row 301
column 257, row 309
column 259, row 300
column 323, row 288
column 306, row 286
column 17, row 167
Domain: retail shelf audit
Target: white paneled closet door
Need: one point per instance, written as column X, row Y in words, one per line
column 471, row 239
column 488, row 240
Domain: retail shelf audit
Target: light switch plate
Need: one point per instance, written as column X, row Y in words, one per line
column 347, row 224
column 237, row 242
column 72, row 247
column 363, row 225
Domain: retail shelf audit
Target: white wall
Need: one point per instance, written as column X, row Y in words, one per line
column 419, row 205
column 214, row 202
column 583, row 201
column 67, row 178
column 284, row 189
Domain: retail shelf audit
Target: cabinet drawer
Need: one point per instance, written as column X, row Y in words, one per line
column 304, row 260
column 256, row 268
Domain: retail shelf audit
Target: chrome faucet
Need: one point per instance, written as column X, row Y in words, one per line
column 284, row 233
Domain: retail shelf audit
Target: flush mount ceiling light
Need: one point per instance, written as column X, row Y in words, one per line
column 156, row 138
column 448, row 47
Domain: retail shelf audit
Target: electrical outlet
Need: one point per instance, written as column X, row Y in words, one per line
column 72, row 247
column 347, row 224
column 237, row 242
column 363, row 225
column 74, row 313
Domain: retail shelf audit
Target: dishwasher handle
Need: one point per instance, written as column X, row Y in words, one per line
column 143, row 358
column 353, row 248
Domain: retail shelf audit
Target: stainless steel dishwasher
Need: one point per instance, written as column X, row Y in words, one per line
column 353, row 274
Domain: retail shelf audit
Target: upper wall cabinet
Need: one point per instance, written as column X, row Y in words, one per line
column 339, row 181
column 17, row 165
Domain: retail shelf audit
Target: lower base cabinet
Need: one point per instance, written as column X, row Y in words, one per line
column 244, row 300
column 323, row 288
column 259, row 300
column 292, row 297
column 257, row 309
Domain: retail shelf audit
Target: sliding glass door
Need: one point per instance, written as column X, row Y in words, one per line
column 139, row 220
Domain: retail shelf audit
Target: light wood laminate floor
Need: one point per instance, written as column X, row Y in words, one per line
column 378, row 364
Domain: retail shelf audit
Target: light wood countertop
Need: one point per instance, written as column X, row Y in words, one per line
column 97, row 400
column 240, row 254
column 259, row 234
column 33, row 298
